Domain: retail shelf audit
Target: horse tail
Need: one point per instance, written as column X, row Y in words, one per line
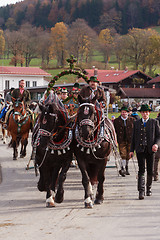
column 92, row 171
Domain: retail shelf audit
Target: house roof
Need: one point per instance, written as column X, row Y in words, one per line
column 139, row 92
column 23, row 71
column 114, row 76
column 154, row 80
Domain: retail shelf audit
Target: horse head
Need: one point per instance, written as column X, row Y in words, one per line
column 19, row 109
column 87, row 117
column 49, row 122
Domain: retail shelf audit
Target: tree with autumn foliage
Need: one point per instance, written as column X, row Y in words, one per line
column 152, row 53
column 106, row 44
column 30, row 42
column 119, row 47
column 2, row 42
column 58, row 43
column 138, row 47
column 14, row 44
column 81, row 40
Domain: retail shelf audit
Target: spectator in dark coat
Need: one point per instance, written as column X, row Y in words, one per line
column 124, row 126
column 157, row 157
column 145, row 141
column 135, row 114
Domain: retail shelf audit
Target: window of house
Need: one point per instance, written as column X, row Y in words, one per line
column 7, row 85
column 27, row 83
column 34, row 83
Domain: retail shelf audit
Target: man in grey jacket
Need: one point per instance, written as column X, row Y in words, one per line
column 145, row 141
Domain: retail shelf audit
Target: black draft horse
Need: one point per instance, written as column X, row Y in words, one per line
column 92, row 148
column 53, row 154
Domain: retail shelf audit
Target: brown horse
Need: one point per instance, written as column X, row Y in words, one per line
column 92, row 147
column 19, row 126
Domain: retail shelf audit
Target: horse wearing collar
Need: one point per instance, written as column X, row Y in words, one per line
column 92, row 148
column 18, row 127
column 52, row 141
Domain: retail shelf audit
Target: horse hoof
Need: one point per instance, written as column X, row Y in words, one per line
column 14, row 158
column 98, row 201
column 4, row 142
column 58, row 199
column 88, row 205
column 22, row 156
column 50, row 205
column 122, row 173
column 50, row 202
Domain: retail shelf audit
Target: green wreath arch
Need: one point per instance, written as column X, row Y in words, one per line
column 79, row 73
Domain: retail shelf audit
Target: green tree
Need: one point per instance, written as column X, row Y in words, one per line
column 11, row 24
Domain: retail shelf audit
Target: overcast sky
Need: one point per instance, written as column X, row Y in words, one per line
column 5, row 2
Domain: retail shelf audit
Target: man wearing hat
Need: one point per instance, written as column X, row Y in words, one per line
column 93, row 89
column 58, row 92
column 64, row 93
column 124, row 127
column 145, row 141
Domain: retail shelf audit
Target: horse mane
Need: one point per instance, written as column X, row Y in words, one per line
column 53, row 98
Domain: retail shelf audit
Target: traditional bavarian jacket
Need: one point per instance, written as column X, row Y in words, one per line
column 144, row 137
column 26, row 95
column 124, row 129
column 87, row 92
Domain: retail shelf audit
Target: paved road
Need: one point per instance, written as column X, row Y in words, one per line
column 122, row 216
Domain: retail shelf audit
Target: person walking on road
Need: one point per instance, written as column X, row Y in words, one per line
column 124, row 127
column 145, row 141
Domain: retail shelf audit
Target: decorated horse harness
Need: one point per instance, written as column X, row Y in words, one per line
column 99, row 129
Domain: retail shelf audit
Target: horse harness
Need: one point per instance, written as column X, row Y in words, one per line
column 23, row 118
column 101, row 134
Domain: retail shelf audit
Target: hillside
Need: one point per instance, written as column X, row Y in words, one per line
column 99, row 14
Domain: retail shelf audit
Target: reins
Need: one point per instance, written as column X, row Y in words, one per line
column 43, row 159
column 65, row 126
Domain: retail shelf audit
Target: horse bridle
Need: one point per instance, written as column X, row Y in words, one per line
column 46, row 133
column 16, row 104
column 86, row 121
